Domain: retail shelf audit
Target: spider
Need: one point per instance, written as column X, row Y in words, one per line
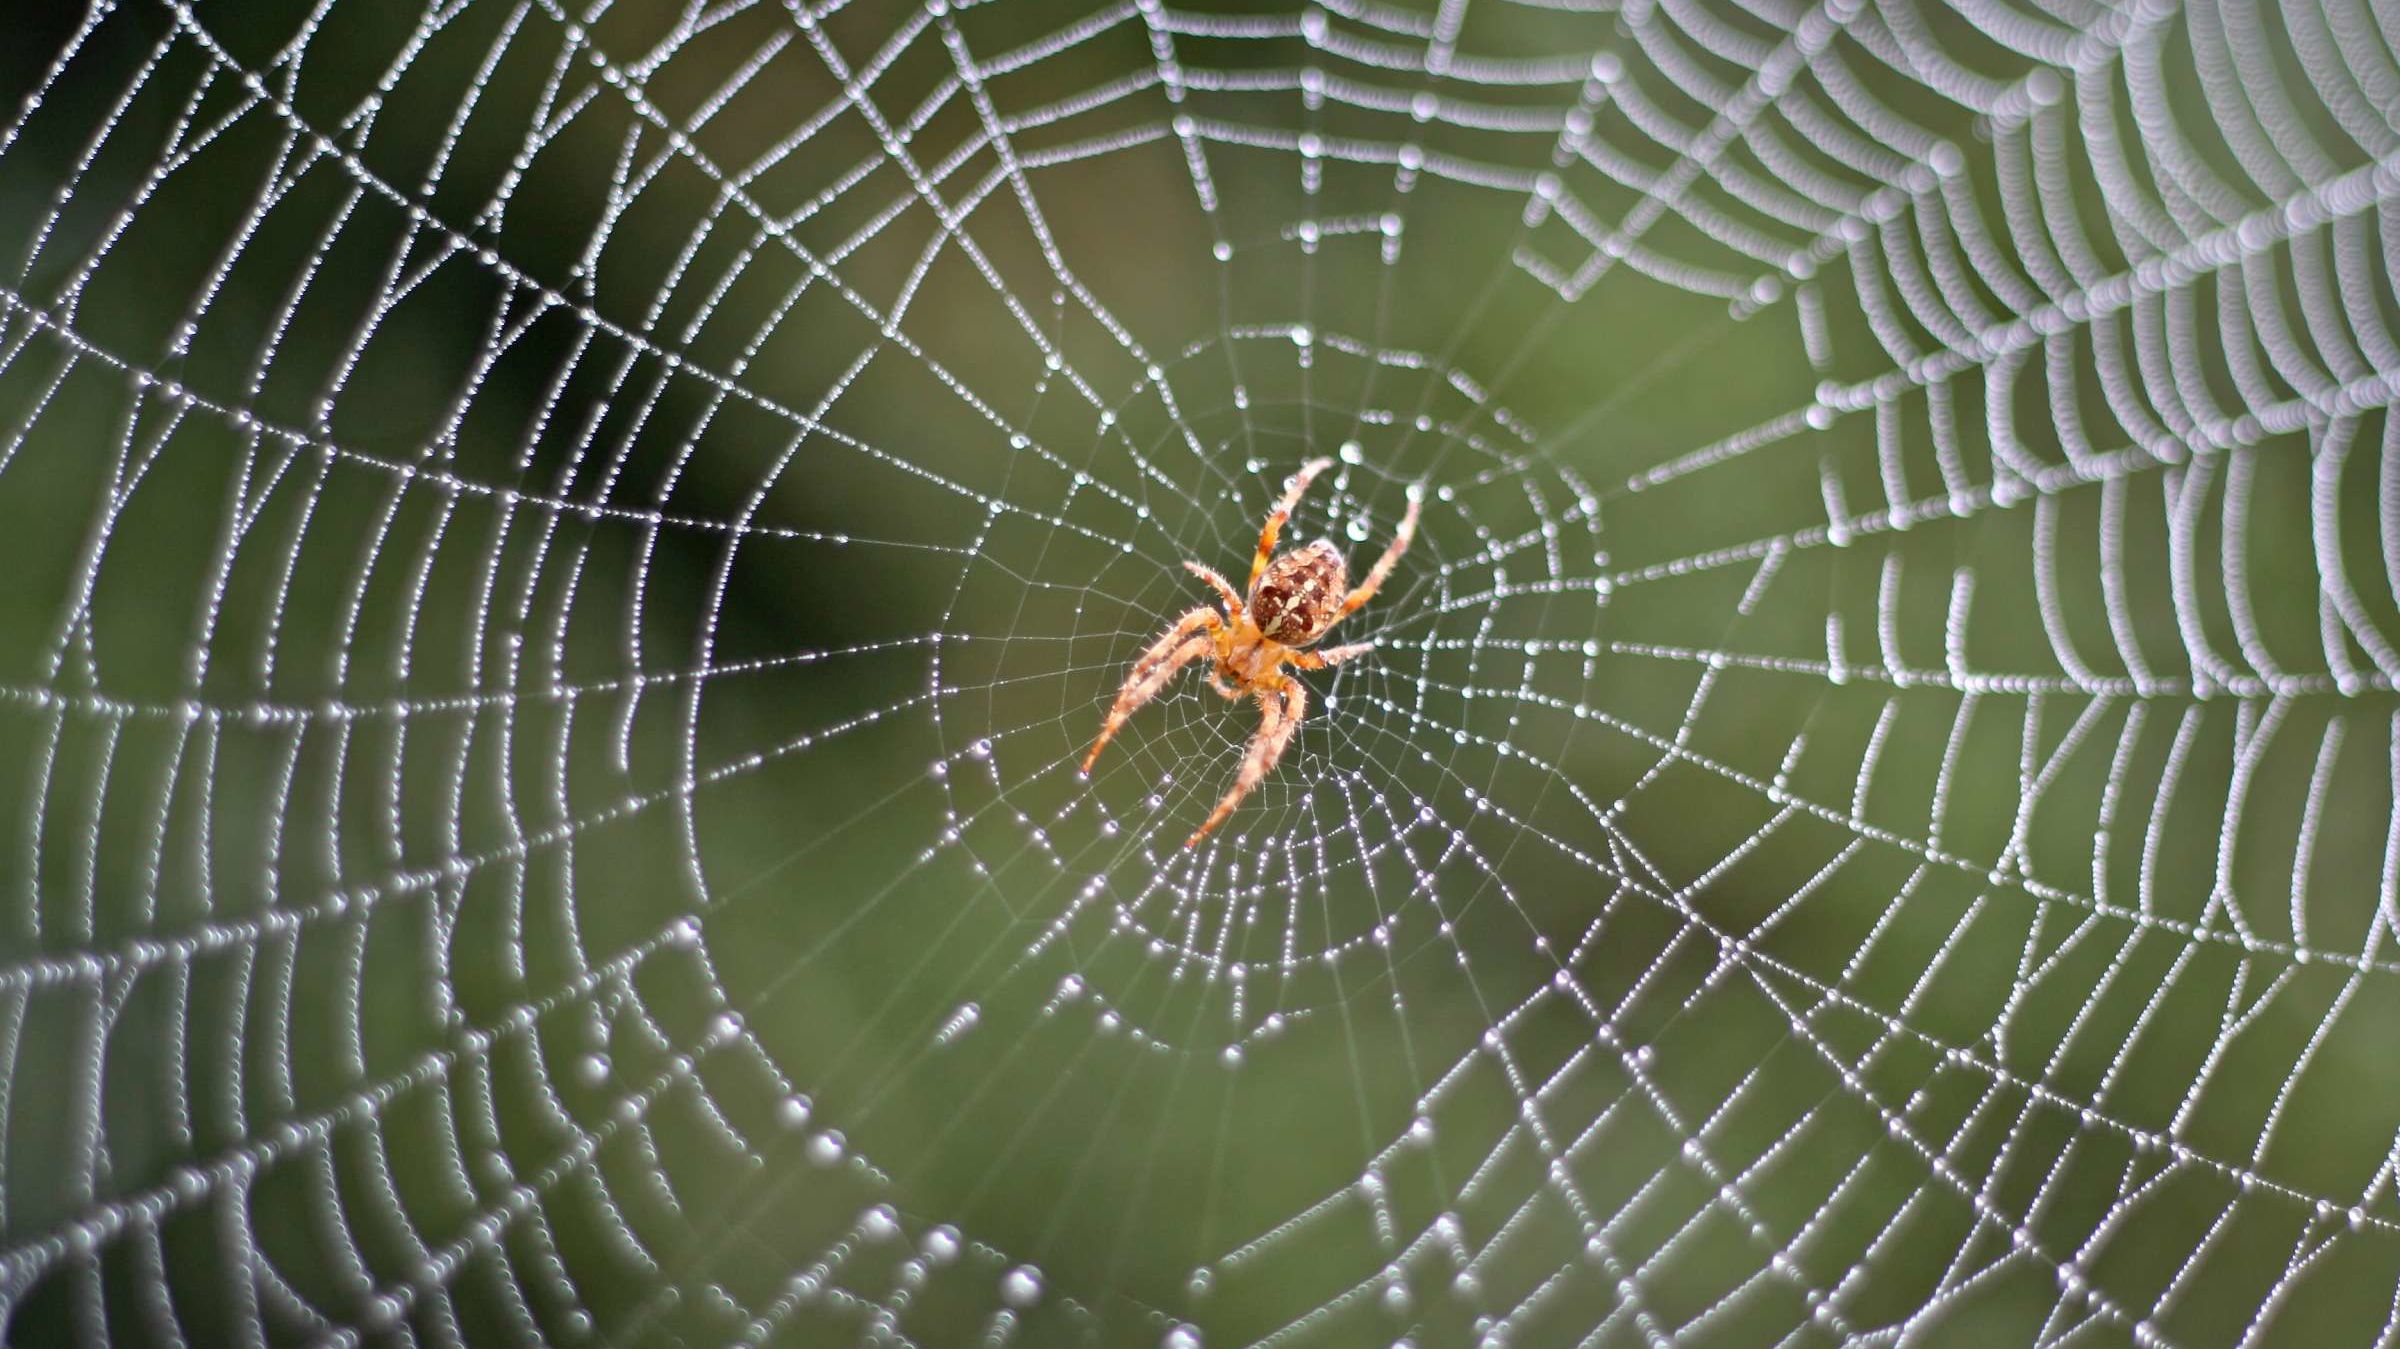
column 1294, row 600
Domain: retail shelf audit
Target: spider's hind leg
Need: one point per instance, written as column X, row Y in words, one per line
column 1382, row 571
column 1223, row 587
column 1318, row 660
column 1273, row 529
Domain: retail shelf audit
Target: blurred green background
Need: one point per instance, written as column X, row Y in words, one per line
column 558, row 565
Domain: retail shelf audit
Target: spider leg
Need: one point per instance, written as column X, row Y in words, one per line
column 1273, row 529
column 1383, row 565
column 1281, row 704
column 1193, row 636
column 1223, row 587
column 1318, row 660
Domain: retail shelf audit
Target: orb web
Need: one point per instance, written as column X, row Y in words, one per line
column 561, row 562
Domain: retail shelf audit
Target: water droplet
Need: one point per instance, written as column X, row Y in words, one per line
column 1021, row 1287
column 958, row 1024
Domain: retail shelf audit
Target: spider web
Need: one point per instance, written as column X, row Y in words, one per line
column 561, row 561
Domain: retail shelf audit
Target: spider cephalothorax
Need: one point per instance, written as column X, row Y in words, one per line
column 1293, row 600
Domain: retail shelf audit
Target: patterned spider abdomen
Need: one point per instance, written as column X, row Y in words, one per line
column 1300, row 594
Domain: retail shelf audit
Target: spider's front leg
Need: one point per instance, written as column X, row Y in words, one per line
column 1282, row 704
column 1193, row 636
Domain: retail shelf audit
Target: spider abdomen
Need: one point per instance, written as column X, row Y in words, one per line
column 1300, row 594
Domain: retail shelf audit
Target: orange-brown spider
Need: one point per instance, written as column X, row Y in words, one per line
column 1294, row 600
